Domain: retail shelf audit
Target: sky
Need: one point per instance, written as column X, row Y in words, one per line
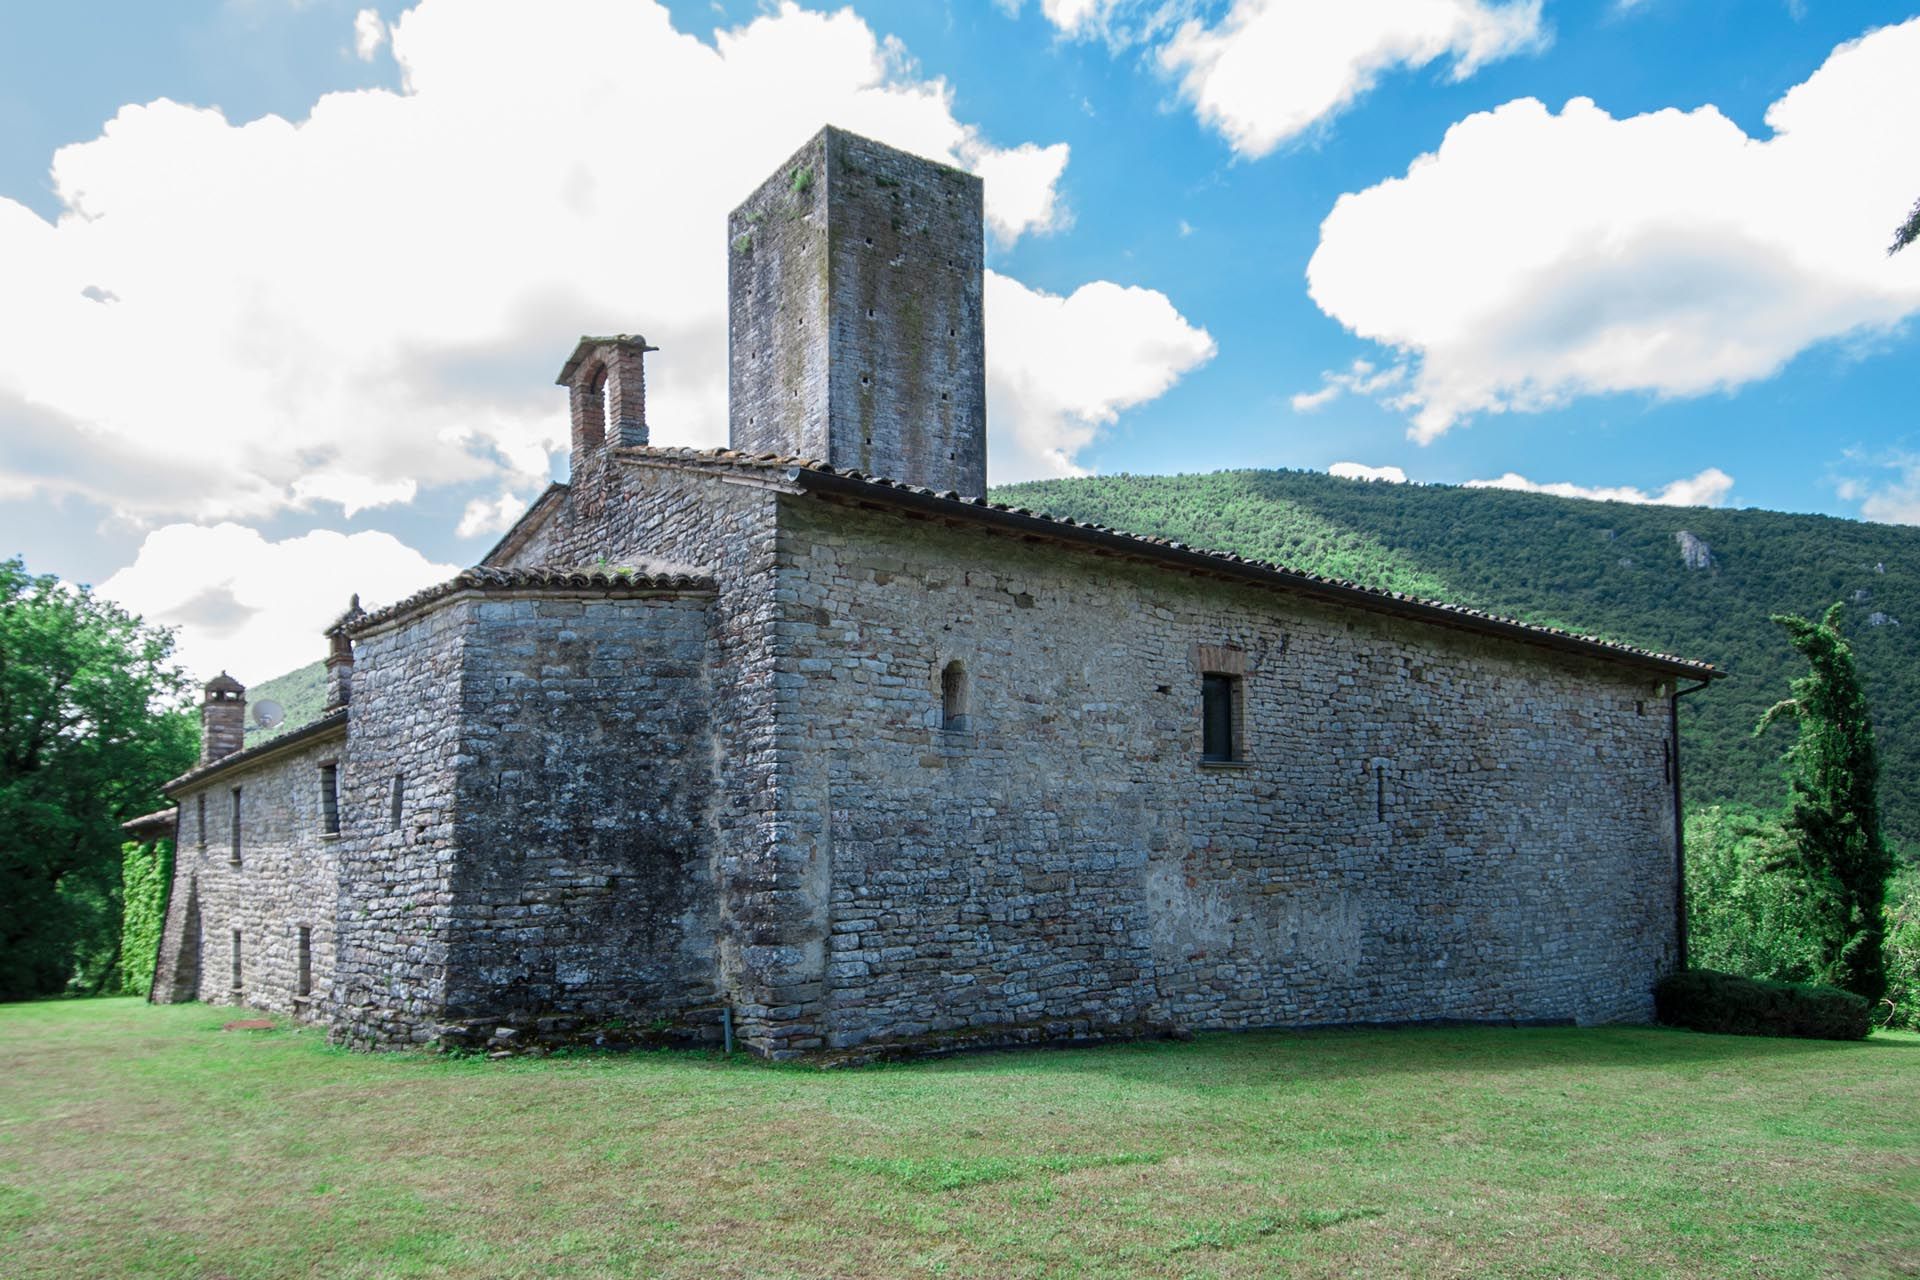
column 284, row 284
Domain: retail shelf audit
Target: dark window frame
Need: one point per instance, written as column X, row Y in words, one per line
column 330, row 798
column 303, row 975
column 956, row 691
column 233, row 855
column 1223, row 718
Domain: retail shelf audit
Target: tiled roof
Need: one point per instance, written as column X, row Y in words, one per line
column 158, row 823
column 812, row 474
column 488, row 580
column 292, row 738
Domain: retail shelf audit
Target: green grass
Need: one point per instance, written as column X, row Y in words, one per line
column 146, row 1141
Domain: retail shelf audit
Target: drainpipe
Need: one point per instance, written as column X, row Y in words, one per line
column 1679, row 821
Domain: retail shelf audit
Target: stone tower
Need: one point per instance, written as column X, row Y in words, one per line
column 854, row 315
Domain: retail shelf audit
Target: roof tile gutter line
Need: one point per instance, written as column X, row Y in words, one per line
column 1679, row 825
column 1329, row 589
column 320, row 728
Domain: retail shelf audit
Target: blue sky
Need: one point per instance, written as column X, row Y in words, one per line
column 256, row 363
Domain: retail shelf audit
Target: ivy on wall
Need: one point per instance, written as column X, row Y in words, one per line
column 146, row 870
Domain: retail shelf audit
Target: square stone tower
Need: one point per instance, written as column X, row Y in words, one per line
column 854, row 327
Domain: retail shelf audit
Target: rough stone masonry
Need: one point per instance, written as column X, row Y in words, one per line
column 807, row 737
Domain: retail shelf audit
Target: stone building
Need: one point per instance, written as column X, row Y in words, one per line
column 809, row 733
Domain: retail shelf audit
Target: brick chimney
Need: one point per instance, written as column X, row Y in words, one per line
column 223, row 718
column 340, row 657
column 607, row 393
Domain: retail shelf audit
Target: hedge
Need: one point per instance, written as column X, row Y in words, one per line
column 1708, row 1000
column 146, row 873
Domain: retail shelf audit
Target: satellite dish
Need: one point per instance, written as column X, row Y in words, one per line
column 267, row 713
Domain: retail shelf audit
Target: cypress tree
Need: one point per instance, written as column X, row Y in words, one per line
column 1839, row 854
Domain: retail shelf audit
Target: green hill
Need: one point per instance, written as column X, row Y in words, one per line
column 302, row 691
column 1605, row 567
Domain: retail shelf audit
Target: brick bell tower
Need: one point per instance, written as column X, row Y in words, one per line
column 854, row 315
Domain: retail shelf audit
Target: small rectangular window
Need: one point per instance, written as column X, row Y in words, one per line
column 236, row 960
column 1219, row 718
column 303, row 984
column 201, row 807
column 399, row 799
column 330, row 799
column 235, row 854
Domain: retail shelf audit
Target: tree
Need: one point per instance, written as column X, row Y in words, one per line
column 1908, row 231
column 1837, row 852
column 91, row 726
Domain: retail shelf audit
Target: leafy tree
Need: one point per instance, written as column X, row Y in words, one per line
column 1746, row 913
column 1901, row 1008
column 1908, row 232
column 91, row 725
column 1837, row 850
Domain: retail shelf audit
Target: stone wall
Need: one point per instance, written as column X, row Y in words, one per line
column 584, row 885
column 285, row 880
column 635, row 510
column 1426, row 823
column 855, row 315
column 397, row 851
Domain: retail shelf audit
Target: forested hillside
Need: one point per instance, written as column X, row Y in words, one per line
column 302, row 692
column 1604, row 567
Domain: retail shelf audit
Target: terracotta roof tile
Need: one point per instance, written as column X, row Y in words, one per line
column 538, row 578
column 800, row 469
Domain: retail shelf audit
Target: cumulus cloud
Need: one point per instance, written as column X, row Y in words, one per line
column 255, row 607
column 1536, row 257
column 1362, row 378
column 1708, row 489
column 1060, row 368
column 1272, row 69
column 490, row 515
column 1889, row 499
column 1360, row 471
column 232, row 319
column 369, row 33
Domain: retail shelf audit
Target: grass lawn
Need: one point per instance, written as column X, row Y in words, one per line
column 146, row 1141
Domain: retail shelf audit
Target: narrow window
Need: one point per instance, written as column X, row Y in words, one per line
column 1219, row 718
column 953, row 697
column 598, row 389
column 303, row 984
column 234, row 856
column 330, row 799
column 201, row 806
column 236, row 960
column 1380, row 791
column 398, row 799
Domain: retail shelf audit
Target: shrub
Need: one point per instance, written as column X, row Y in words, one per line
column 1708, row 1000
column 1747, row 912
column 145, row 876
column 1901, row 1006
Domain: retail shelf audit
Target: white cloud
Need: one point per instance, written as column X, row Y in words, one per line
column 255, row 607
column 1273, row 69
column 375, row 299
column 1362, row 378
column 1889, row 501
column 1025, row 182
column 1360, row 471
column 1537, row 257
column 490, row 515
column 1707, row 489
column 1060, row 368
column 369, row 33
